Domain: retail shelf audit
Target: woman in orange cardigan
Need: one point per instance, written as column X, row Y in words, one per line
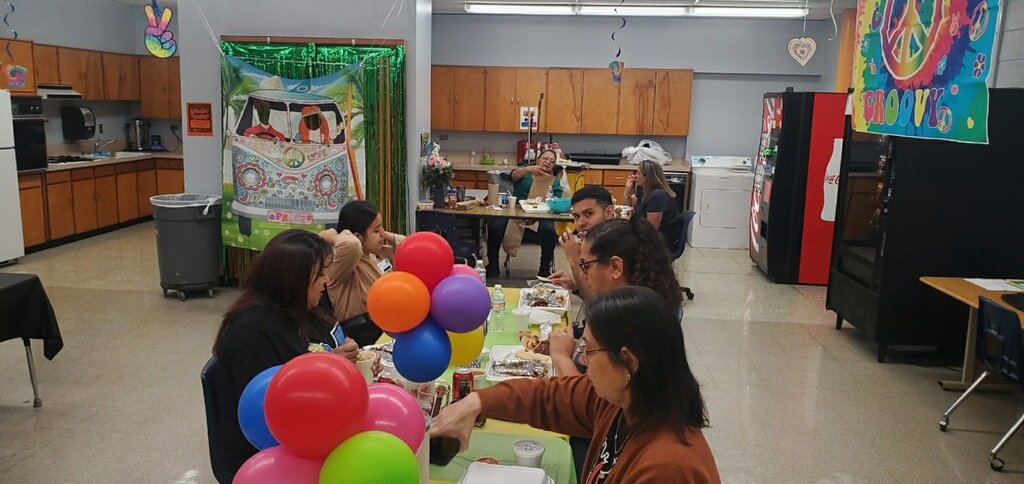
column 639, row 401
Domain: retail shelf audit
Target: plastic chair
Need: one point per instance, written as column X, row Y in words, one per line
column 208, row 378
column 687, row 218
column 1000, row 347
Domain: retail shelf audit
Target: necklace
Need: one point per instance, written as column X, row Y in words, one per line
column 618, row 424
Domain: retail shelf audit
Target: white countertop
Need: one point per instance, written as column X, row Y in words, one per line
column 111, row 161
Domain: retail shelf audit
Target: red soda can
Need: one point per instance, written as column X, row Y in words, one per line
column 462, row 384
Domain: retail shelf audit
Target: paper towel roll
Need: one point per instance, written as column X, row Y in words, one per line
column 492, row 193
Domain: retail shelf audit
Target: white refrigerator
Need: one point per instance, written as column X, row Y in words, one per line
column 12, row 242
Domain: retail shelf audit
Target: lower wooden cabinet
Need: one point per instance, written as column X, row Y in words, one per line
column 127, row 192
column 83, row 197
column 145, row 176
column 106, row 196
column 59, row 205
column 170, row 176
column 33, row 209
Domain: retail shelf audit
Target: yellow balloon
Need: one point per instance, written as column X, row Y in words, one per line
column 466, row 346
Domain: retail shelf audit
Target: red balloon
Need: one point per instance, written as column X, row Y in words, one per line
column 427, row 256
column 464, row 270
column 314, row 403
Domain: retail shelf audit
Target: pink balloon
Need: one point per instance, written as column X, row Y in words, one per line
column 275, row 464
column 395, row 411
column 465, row 270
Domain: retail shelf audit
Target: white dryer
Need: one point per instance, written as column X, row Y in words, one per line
column 720, row 198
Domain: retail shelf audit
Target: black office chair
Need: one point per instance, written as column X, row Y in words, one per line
column 687, row 218
column 1000, row 347
column 208, row 378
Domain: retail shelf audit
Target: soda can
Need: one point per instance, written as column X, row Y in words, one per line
column 385, row 377
column 462, row 384
column 503, row 198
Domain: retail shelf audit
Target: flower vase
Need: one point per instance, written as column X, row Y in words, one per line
column 437, row 194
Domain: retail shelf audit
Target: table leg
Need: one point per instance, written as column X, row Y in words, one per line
column 37, row 402
column 970, row 368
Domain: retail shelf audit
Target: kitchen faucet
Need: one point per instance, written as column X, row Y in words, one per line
column 97, row 146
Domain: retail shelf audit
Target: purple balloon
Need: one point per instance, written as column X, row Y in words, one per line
column 460, row 303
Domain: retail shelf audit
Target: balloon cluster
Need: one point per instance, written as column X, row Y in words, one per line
column 315, row 421
column 434, row 309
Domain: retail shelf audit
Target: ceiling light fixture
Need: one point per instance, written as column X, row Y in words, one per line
column 634, row 10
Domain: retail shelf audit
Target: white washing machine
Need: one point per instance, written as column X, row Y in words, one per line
column 720, row 198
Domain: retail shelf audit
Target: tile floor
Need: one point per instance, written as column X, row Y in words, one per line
column 790, row 399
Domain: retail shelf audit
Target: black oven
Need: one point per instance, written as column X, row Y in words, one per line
column 29, row 132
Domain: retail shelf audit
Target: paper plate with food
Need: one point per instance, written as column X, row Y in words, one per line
column 548, row 297
column 519, row 362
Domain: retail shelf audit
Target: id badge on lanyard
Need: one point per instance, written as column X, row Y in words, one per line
column 384, row 265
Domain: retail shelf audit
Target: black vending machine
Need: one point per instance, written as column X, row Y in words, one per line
column 909, row 208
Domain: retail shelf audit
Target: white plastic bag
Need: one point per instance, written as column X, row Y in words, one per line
column 646, row 150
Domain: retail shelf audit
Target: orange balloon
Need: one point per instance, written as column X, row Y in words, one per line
column 398, row 301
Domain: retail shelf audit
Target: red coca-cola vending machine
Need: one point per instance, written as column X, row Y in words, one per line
column 796, row 179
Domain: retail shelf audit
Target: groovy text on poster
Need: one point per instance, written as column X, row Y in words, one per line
column 904, row 106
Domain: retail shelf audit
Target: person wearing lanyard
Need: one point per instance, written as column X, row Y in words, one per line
column 362, row 252
column 274, row 320
column 639, row 401
column 648, row 192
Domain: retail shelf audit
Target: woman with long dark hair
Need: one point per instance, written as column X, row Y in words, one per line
column 639, row 401
column 648, row 192
column 274, row 320
column 362, row 252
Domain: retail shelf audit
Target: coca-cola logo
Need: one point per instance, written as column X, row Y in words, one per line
column 831, row 179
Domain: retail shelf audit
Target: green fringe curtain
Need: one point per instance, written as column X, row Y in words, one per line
column 379, row 93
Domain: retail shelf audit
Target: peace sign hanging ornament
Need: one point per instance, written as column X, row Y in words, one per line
column 159, row 41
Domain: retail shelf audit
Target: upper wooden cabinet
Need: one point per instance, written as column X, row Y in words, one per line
column 501, row 99
column 160, row 83
column 600, row 102
column 468, row 102
column 47, row 66
column 22, row 56
column 531, row 82
column 563, row 104
column 672, row 92
column 636, row 102
column 83, row 70
column 441, row 98
column 121, row 77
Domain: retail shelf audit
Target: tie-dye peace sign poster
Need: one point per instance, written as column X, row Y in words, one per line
column 921, row 68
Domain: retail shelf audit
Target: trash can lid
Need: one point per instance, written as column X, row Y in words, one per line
column 178, row 200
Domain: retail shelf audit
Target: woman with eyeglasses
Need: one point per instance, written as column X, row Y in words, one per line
column 639, row 401
column 275, row 319
column 647, row 191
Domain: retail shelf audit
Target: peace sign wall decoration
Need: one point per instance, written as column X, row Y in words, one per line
column 159, row 41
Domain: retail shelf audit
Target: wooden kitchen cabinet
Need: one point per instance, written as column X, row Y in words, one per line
column 21, row 51
column 46, row 64
column 33, row 211
column 600, row 102
column 127, row 192
column 160, row 83
column 170, row 176
column 531, row 82
column 592, row 177
column 59, row 204
column 121, row 77
column 672, row 92
column 441, row 98
column 468, row 98
column 106, row 196
column 500, row 101
column 636, row 102
column 83, row 196
column 146, row 179
column 83, row 70
column 563, row 103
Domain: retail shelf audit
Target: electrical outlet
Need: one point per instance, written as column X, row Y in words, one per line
column 443, row 137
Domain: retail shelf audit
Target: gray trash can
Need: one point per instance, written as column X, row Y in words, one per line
column 188, row 242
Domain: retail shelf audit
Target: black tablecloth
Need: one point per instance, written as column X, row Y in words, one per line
column 25, row 312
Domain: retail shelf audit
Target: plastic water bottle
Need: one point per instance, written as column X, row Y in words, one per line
column 481, row 271
column 497, row 308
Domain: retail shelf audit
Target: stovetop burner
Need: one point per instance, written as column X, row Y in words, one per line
column 66, row 158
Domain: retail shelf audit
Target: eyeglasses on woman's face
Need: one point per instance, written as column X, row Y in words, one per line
column 585, row 353
column 585, row 264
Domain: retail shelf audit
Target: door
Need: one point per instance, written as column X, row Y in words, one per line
column 468, row 84
column 636, row 102
column 33, row 213
column 501, row 97
column 153, row 75
column 530, row 84
column 60, row 209
column 724, row 208
column 121, row 77
column 106, row 198
column 440, row 98
column 147, row 188
column 563, row 103
column 46, row 64
column 127, row 194
column 600, row 102
column 672, row 92
column 12, row 240
column 83, row 195
column 22, row 56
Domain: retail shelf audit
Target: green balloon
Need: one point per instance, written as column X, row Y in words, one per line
column 371, row 457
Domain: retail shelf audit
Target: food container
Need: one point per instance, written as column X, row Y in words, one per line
column 540, row 317
column 555, row 299
column 522, row 317
column 559, row 205
column 529, row 453
column 483, row 473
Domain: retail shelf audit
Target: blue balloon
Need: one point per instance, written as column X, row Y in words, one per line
column 422, row 353
column 460, row 303
column 250, row 410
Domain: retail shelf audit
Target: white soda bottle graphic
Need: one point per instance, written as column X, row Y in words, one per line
column 830, row 183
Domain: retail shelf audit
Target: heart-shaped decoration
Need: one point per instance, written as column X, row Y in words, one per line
column 802, row 49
